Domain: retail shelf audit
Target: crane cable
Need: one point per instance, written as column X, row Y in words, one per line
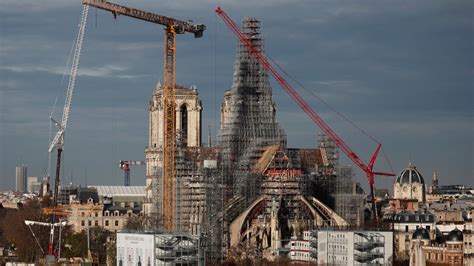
column 332, row 108
column 37, row 241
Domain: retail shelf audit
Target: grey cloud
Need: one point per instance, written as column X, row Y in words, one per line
column 401, row 70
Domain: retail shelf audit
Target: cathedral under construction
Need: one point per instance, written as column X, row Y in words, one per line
column 249, row 188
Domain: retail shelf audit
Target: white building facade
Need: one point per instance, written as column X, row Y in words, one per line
column 159, row 249
column 330, row 247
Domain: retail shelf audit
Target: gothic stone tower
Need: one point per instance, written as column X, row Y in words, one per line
column 188, row 128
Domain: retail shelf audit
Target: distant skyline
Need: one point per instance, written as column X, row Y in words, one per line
column 401, row 70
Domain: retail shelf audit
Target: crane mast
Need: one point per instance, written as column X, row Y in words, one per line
column 368, row 169
column 172, row 27
column 125, row 166
column 58, row 140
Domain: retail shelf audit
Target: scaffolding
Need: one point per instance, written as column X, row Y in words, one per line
column 334, row 184
column 213, row 220
column 349, row 202
column 248, row 121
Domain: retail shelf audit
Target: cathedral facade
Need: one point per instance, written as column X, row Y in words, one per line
column 188, row 130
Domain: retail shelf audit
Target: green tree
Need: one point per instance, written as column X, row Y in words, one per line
column 75, row 245
column 98, row 243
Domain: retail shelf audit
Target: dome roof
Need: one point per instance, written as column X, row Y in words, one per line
column 455, row 236
column 421, row 233
column 410, row 175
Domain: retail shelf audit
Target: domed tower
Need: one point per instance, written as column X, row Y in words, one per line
column 455, row 237
column 454, row 245
column 410, row 185
column 419, row 239
column 421, row 234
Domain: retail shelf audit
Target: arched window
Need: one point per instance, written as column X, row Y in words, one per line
column 184, row 124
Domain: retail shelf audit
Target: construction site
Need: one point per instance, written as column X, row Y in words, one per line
column 247, row 192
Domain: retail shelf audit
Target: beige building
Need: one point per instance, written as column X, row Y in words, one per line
column 87, row 215
column 188, row 129
column 83, row 216
column 410, row 185
column 188, row 116
column 424, row 251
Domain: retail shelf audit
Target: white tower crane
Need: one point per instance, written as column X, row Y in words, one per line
column 58, row 140
column 60, row 224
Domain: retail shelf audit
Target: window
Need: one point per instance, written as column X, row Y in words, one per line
column 83, row 223
column 106, row 222
column 406, row 228
column 96, row 223
column 116, row 222
column 82, row 214
column 184, row 124
column 96, row 214
column 89, row 223
column 428, row 227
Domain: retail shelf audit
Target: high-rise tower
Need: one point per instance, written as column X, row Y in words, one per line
column 21, row 178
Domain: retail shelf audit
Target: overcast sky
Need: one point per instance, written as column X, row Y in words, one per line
column 401, row 70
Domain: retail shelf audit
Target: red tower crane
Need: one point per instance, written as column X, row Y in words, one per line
column 125, row 166
column 368, row 169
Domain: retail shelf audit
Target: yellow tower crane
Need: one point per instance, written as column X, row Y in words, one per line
column 172, row 27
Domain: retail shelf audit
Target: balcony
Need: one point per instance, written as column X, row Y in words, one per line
column 367, row 246
column 367, row 257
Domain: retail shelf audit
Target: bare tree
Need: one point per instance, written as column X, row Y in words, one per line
column 15, row 231
column 144, row 222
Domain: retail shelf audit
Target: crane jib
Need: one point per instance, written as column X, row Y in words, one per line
column 181, row 26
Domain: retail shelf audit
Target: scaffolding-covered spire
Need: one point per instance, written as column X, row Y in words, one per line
column 248, row 114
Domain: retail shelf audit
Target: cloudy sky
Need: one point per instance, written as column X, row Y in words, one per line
column 401, row 70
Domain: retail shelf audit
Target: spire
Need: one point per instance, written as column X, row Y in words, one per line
column 248, row 114
column 158, row 85
column 209, row 140
column 434, row 179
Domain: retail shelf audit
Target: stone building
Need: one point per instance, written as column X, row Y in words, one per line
column 410, row 185
column 405, row 224
column 282, row 209
column 109, row 217
column 188, row 128
column 188, row 116
column 91, row 207
column 424, row 250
